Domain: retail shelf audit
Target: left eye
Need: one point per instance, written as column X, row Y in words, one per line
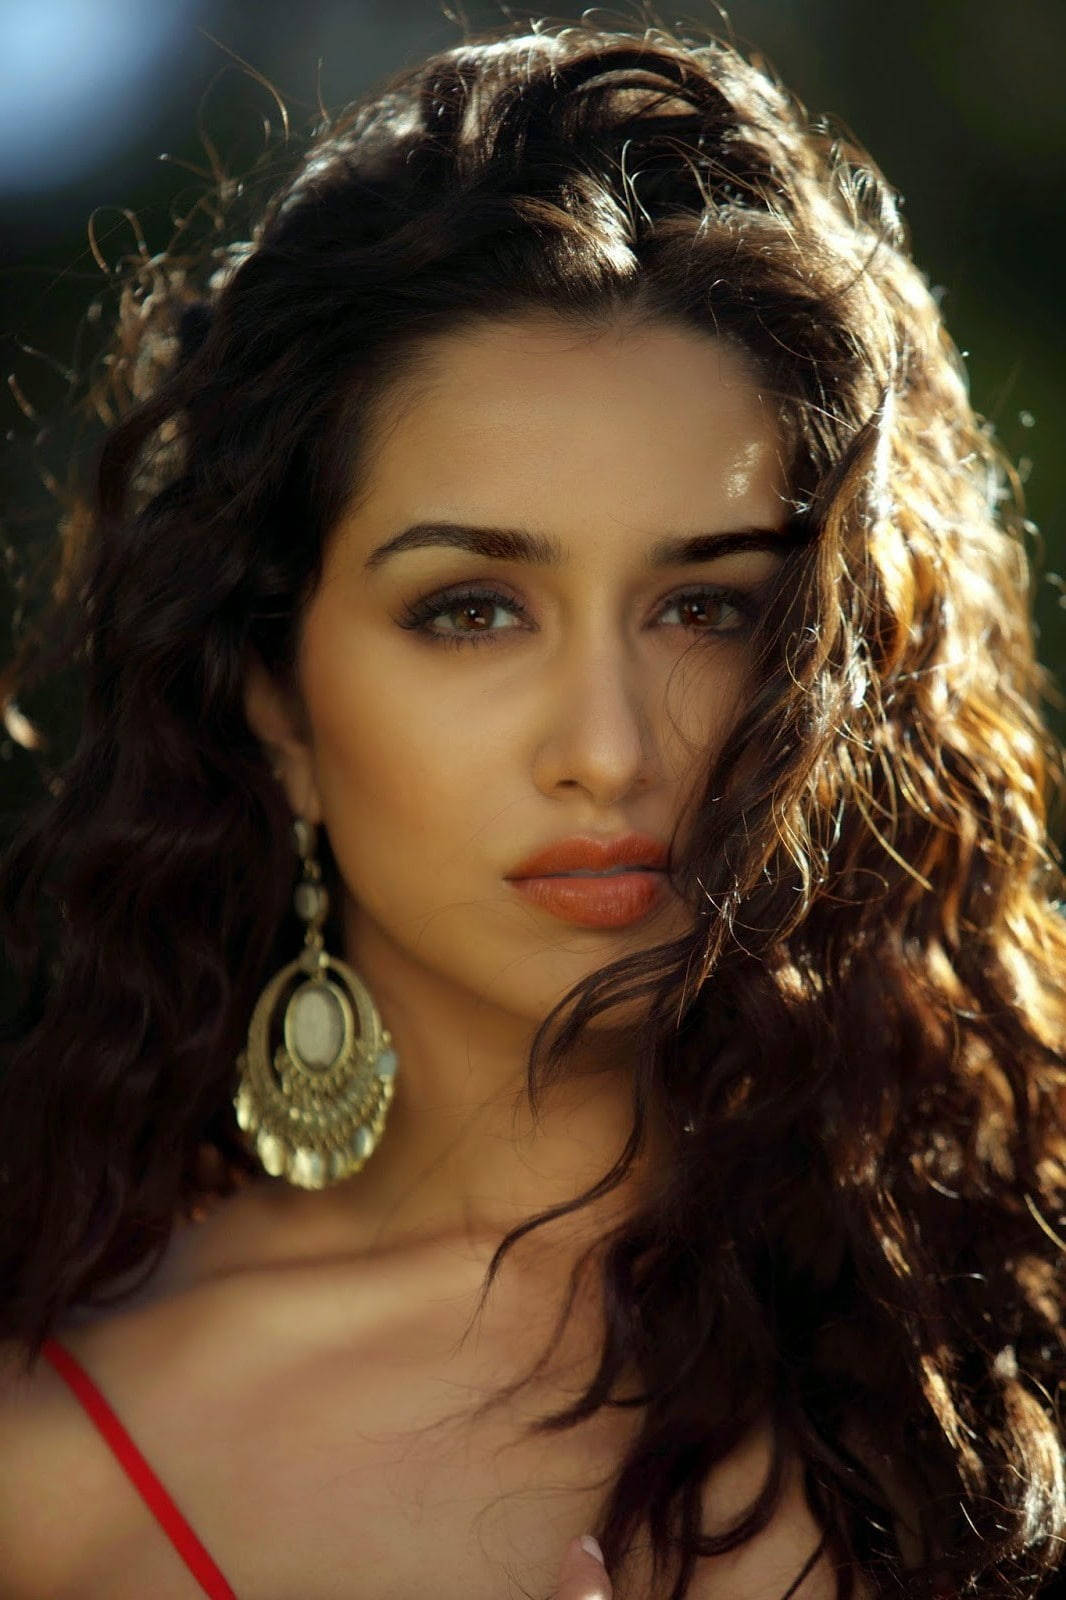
column 469, row 603
column 701, row 599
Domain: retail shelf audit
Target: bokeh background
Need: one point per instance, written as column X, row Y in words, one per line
column 109, row 110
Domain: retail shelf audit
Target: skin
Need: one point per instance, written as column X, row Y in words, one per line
column 594, row 718
column 436, row 768
column 288, row 1363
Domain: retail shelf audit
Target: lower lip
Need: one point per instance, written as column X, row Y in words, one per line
column 612, row 902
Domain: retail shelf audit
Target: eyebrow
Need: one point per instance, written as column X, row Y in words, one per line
column 517, row 544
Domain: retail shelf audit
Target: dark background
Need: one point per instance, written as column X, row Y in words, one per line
column 961, row 102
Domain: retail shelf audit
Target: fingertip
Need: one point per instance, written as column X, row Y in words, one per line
column 584, row 1576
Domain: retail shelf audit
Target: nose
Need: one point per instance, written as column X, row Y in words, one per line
column 598, row 729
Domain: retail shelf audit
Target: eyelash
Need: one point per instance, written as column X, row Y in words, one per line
column 426, row 610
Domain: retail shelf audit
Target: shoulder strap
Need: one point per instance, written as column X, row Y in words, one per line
column 139, row 1472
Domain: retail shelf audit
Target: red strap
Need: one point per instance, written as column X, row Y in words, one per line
column 140, row 1473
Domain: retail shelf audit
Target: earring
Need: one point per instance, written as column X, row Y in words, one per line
column 314, row 1110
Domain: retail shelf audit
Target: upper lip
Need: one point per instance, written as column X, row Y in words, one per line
column 586, row 852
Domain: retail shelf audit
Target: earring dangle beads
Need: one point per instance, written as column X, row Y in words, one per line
column 314, row 1088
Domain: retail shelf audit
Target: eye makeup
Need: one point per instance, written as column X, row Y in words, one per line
column 418, row 615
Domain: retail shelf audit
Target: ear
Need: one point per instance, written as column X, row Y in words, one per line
column 280, row 723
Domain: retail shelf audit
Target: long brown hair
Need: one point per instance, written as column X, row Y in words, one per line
column 861, row 1046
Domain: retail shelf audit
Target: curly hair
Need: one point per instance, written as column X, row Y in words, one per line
column 860, row 1047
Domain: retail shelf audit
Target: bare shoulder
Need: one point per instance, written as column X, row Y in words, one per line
column 766, row 1567
column 67, row 1513
column 72, row 1526
column 29, row 1427
column 71, row 1522
column 52, row 1491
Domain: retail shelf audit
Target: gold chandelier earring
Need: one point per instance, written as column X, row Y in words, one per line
column 314, row 1088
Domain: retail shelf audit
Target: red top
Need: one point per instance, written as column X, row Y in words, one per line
column 148, row 1485
column 140, row 1473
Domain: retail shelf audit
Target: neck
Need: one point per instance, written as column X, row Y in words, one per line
column 463, row 1154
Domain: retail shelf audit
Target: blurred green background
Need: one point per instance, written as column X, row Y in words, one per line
column 960, row 101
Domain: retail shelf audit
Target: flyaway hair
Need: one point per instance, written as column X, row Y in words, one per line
column 861, row 1045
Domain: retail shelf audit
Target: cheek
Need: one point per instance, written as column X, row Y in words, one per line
column 702, row 701
column 405, row 774
column 415, row 753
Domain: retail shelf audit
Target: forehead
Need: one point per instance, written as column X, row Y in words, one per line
column 533, row 418
column 540, row 373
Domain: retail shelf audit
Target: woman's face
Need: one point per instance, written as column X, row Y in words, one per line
column 536, row 699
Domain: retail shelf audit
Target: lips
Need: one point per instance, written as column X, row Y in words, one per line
column 588, row 853
column 605, row 900
column 594, row 882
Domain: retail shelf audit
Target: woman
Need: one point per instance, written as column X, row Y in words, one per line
column 559, row 546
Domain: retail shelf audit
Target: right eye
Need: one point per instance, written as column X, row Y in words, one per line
column 451, row 603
